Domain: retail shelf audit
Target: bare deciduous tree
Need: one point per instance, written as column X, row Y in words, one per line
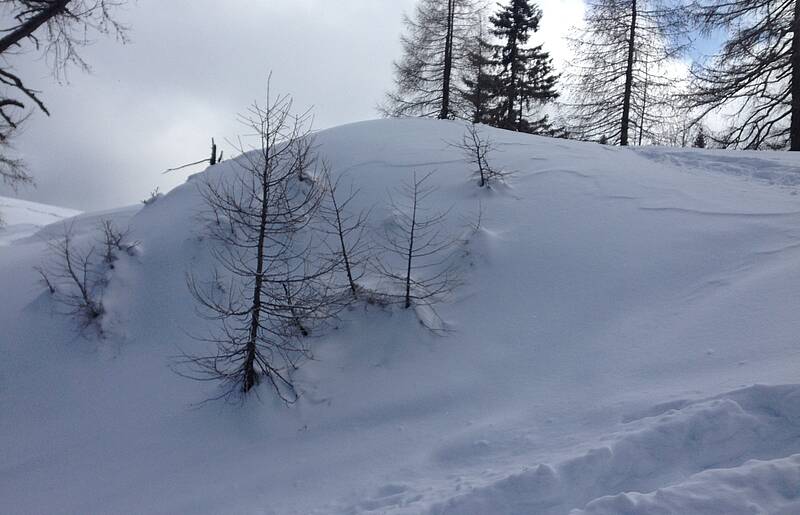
column 76, row 275
column 435, row 46
column 58, row 29
column 114, row 241
column 417, row 240
column 756, row 73
column 153, row 197
column 620, row 80
column 350, row 251
column 476, row 149
column 267, row 291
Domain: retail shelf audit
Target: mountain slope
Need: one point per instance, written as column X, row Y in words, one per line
column 21, row 218
column 617, row 307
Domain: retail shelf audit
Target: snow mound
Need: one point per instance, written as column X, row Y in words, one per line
column 609, row 299
column 21, row 218
column 754, row 487
column 721, row 455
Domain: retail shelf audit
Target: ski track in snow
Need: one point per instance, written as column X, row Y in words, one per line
column 773, row 169
column 681, row 460
column 720, row 213
column 21, row 218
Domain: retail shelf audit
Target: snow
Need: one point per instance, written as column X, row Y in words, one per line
column 727, row 451
column 20, row 218
column 624, row 341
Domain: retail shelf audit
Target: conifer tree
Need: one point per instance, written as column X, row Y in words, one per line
column 700, row 140
column 479, row 80
column 525, row 75
column 620, row 82
column 267, row 289
column 435, row 48
column 756, row 74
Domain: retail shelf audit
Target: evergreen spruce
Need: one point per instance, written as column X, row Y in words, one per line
column 700, row 140
column 479, row 81
column 525, row 77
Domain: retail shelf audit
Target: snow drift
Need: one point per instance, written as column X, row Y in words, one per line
column 618, row 306
column 20, row 218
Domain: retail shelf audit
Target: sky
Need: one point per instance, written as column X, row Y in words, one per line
column 190, row 67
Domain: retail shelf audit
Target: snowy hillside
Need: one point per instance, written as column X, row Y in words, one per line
column 21, row 218
column 625, row 341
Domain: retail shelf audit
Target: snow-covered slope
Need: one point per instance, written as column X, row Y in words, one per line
column 20, row 218
column 625, row 341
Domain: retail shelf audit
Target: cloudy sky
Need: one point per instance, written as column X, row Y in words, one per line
column 190, row 66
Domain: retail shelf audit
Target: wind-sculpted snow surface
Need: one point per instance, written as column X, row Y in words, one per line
column 614, row 308
column 776, row 168
column 720, row 455
column 20, row 218
column 755, row 487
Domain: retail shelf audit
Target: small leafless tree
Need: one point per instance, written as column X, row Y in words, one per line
column 418, row 241
column 153, row 197
column 77, row 274
column 351, row 251
column 114, row 241
column 267, row 291
column 73, row 277
column 476, row 149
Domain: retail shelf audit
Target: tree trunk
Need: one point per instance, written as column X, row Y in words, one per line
column 448, row 61
column 345, row 257
column 213, row 160
column 512, row 90
column 250, row 378
column 794, row 131
column 626, row 99
column 644, row 104
column 479, row 80
column 411, row 245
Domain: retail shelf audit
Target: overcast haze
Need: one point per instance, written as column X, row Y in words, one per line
column 190, row 66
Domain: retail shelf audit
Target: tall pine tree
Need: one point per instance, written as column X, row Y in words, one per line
column 479, row 79
column 524, row 76
column 435, row 47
